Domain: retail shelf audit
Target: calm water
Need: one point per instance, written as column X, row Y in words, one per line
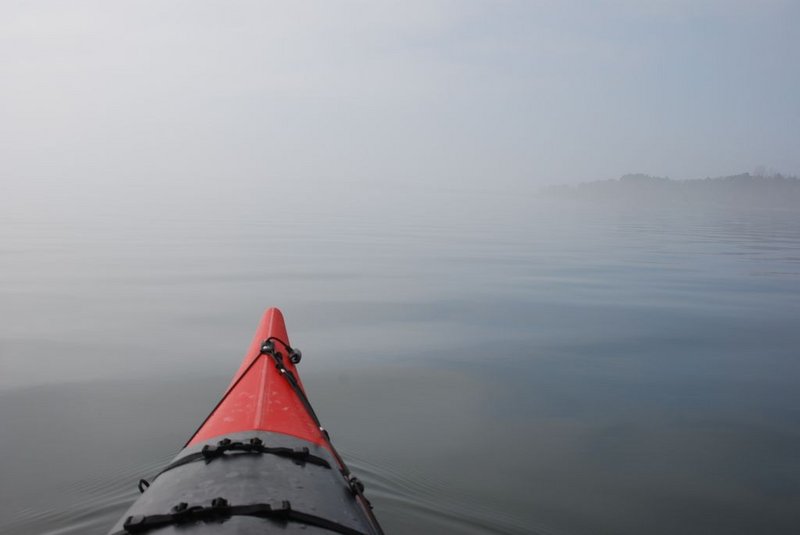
column 486, row 363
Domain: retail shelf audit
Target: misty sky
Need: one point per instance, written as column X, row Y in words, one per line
column 186, row 93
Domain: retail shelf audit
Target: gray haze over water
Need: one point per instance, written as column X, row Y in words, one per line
column 122, row 98
column 489, row 358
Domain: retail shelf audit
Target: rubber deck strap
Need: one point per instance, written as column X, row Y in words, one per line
column 299, row 456
column 143, row 524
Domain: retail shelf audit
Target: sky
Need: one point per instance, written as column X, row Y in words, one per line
column 152, row 96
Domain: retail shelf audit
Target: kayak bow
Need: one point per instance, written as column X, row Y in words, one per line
column 259, row 463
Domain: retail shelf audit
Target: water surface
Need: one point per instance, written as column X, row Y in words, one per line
column 486, row 363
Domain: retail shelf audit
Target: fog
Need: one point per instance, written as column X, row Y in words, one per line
column 184, row 104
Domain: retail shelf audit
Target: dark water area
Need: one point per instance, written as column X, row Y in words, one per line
column 485, row 364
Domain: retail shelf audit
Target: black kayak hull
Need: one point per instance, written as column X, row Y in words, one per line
column 247, row 478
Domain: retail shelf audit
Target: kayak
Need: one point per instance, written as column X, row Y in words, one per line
column 261, row 462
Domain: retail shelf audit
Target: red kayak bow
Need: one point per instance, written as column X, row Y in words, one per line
column 259, row 463
column 259, row 396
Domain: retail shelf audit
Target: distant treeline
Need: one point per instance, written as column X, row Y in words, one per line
column 744, row 190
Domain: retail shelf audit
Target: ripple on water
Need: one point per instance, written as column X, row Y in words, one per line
column 93, row 505
column 423, row 501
